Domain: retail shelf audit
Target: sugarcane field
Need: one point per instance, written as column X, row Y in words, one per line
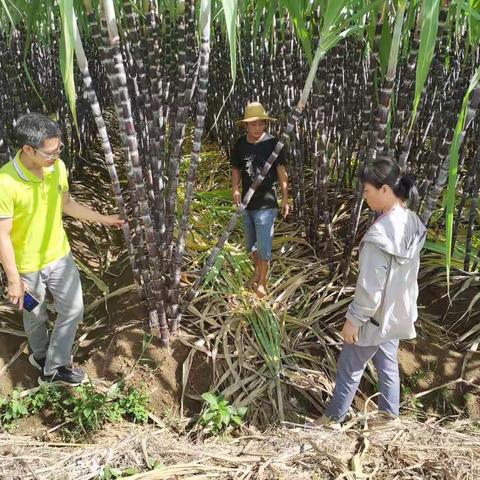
column 239, row 239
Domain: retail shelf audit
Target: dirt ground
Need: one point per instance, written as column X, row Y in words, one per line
column 127, row 353
column 160, row 372
column 425, row 366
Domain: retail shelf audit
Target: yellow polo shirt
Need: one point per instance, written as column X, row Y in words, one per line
column 36, row 207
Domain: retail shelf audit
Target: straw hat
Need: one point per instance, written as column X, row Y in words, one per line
column 254, row 111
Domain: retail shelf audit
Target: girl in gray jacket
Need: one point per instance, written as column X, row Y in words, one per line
column 384, row 308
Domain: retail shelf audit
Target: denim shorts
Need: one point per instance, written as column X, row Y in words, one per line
column 258, row 228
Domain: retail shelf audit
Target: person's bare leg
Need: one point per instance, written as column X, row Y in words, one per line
column 256, row 276
column 261, row 288
column 252, row 283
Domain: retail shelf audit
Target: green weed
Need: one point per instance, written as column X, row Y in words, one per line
column 17, row 406
column 85, row 411
column 131, row 405
column 81, row 410
column 416, row 377
column 12, row 409
column 412, row 402
column 111, row 473
column 218, row 415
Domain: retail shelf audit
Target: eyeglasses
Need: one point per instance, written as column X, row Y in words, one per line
column 53, row 155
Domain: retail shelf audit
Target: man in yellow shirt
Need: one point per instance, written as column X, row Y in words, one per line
column 34, row 249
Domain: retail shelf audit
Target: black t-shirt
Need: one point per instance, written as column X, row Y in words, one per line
column 250, row 158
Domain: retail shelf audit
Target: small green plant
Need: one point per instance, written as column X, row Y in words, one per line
column 110, row 473
column 18, row 406
column 82, row 410
column 130, row 405
column 12, row 409
column 45, row 396
column 88, row 410
column 134, row 406
column 218, row 415
column 412, row 401
column 415, row 377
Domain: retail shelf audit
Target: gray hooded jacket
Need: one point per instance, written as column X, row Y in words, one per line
column 385, row 301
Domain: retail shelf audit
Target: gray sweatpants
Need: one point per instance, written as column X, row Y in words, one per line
column 62, row 279
column 351, row 365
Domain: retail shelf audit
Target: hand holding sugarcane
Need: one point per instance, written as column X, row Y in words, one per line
column 112, row 220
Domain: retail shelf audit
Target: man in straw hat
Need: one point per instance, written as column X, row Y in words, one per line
column 250, row 153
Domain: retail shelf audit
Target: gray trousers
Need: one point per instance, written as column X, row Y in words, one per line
column 351, row 365
column 62, row 279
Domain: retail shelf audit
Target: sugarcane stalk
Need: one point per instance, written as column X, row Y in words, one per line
column 443, row 172
column 177, row 139
column 142, row 100
column 122, row 100
column 382, row 149
column 205, row 15
column 107, row 149
column 475, row 175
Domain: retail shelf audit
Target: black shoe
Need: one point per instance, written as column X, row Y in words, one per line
column 69, row 376
column 38, row 363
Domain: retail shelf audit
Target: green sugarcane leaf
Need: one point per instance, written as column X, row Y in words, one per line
column 385, row 43
column 474, row 22
column 101, row 285
column 371, row 28
column 296, row 9
column 215, row 270
column 458, row 254
column 230, row 11
column 67, row 50
column 396, row 41
column 31, row 21
column 272, row 6
column 472, row 8
column 210, row 398
column 345, row 28
column 453, row 172
column 332, row 14
column 411, row 17
column 428, row 38
column 259, row 14
column 7, row 12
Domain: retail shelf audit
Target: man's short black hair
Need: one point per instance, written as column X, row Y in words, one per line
column 33, row 129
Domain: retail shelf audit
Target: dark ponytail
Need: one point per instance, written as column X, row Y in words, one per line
column 407, row 190
column 387, row 172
